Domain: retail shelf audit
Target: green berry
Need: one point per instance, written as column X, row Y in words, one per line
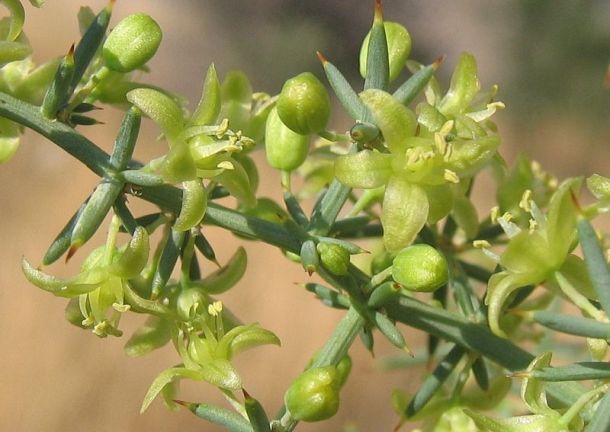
column 286, row 150
column 420, row 268
column 304, row 105
column 132, row 43
column 334, row 257
column 314, row 395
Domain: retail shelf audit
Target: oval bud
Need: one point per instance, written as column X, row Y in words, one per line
column 314, row 395
column 309, row 257
column 334, row 257
column 399, row 48
column 286, row 150
column 420, row 268
column 132, row 43
column 304, row 105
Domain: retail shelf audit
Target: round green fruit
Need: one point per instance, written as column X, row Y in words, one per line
column 304, row 105
column 132, row 43
column 420, row 267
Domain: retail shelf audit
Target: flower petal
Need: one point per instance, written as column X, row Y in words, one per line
column 404, row 213
column 163, row 379
column 501, row 286
column 395, row 121
column 464, row 86
column 532, row 389
column 561, row 219
column 366, row 169
column 221, row 373
column 528, row 253
column 155, row 333
column 159, row 107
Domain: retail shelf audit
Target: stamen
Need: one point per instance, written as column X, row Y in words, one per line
column 448, row 152
column 484, row 245
column 538, row 216
column 121, row 307
column 479, row 116
column 494, row 213
column 226, row 165
column 481, row 244
column 451, row 176
column 440, row 143
column 509, row 227
column 413, row 155
column 446, row 128
column 526, row 200
column 101, row 329
column 215, row 308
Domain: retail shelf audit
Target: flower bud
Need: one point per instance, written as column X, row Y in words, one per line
column 420, row 268
column 132, row 43
column 286, row 150
column 304, row 105
column 399, row 48
column 314, row 395
column 334, row 257
column 310, row 258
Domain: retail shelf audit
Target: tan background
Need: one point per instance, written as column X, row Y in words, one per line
column 55, row 377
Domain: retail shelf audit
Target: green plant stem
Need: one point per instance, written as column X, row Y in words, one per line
column 477, row 338
column 334, row 350
column 59, row 133
column 472, row 336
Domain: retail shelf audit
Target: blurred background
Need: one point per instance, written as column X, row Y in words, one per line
column 548, row 57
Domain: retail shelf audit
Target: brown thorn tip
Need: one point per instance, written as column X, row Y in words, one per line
column 183, row 403
column 399, row 425
column 439, row 61
column 246, row 394
column 71, row 50
column 407, row 350
column 72, row 251
column 378, row 11
column 321, row 57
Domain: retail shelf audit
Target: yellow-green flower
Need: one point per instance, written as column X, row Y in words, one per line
column 206, row 355
column 535, row 254
column 100, row 284
column 423, row 155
